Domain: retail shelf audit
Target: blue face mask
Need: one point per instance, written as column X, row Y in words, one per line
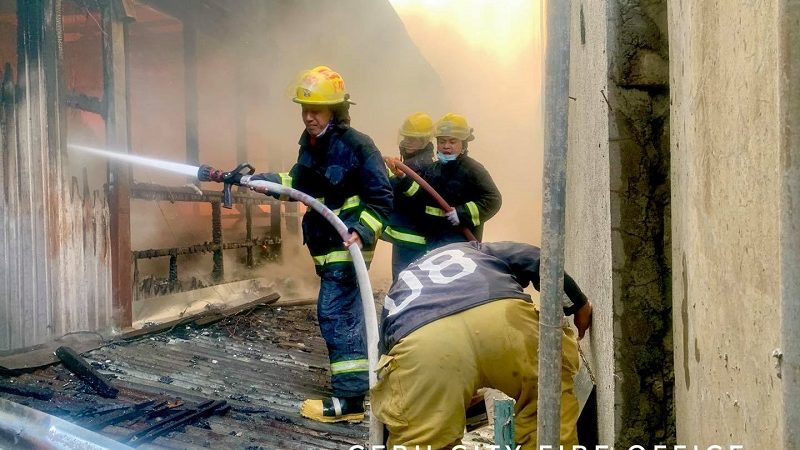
column 445, row 158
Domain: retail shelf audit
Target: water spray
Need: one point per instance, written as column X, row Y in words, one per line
column 169, row 166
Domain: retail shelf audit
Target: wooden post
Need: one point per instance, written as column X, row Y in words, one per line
column 216, row 236
column 115, row 94
column 240, row 111
column 190, row 89
column 248, row 215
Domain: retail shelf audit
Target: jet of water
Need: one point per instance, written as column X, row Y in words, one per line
column 183, row 169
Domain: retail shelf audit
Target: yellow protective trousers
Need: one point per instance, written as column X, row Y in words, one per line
column 426, row 381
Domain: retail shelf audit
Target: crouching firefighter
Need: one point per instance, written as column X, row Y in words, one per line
column 457, row 320
column 343, row 169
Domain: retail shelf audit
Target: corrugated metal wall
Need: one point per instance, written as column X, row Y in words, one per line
column 55, row 271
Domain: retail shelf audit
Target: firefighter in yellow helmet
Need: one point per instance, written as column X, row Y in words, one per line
column 403, row 230
column 461, row 180
column 343, row 168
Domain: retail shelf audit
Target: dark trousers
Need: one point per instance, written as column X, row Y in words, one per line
column 341, row 321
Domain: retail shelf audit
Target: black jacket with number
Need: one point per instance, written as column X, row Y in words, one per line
column 466, row 186
column 461, row 276
column 344, row 170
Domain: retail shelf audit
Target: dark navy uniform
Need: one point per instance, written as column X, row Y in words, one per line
column 344, row 170
column 466, row 186
column 404, row 229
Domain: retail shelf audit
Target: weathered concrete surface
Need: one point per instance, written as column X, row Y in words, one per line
column 789, row 56
column 618, row 211
column 725, row 197
column 640, row 222
column 588, row 236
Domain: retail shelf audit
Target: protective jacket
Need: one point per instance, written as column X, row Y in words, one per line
column 466, row 186
column 461, row 276
column 405, row 221
column 344, row 170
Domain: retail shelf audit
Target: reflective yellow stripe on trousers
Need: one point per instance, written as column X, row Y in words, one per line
column 353, row 365
column 339, row 256
column 405, row 237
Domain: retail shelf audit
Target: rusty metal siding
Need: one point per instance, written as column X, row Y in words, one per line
column 55, row 239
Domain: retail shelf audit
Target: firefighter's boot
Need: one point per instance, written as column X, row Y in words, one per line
column 334, row 409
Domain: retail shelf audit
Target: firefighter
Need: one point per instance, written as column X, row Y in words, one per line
column 458, row 320
column 463, row 183
column 342, row 168
column 416, row 151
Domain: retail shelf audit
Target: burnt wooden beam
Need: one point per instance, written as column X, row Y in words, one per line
column 197, row 248
column 189, row 416
column 115, row 76
column 85, row 103
column 248, row 214
column 218, row 273
column 149, row 191
column 121, row 415
column 77, row 365
column 209, row 317
column 25, row 390
column 217, row 316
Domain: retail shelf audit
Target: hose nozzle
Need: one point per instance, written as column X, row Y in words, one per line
column 208, row 173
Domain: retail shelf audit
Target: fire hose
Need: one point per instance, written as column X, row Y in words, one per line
column 241, row 176
column 432, row 192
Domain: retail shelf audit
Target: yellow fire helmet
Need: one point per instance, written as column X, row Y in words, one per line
column 320, row 86
column 454, row 125
column 416, row 131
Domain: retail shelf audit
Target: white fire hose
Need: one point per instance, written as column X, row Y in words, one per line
column 364, row 285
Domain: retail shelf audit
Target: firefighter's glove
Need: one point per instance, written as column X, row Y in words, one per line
column 452, row 217
column 391, row 163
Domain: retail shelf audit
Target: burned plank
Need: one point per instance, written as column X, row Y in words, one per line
column 77, row 365
column 151, row 191
column 197, row 248
column 121, row 415
column 187, row 417
column 215, row 317
column 205, row 318
column 85, row 103
column 25, row 390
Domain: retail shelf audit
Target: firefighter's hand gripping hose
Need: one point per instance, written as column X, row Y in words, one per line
column 364, row 286
column 436, row 197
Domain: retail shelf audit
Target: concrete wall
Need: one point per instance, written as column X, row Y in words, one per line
column 618, row 211
column 588, row 236
column 725, row 197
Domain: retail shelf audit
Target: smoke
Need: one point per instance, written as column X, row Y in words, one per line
column 489, row 57
column 400, row 56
